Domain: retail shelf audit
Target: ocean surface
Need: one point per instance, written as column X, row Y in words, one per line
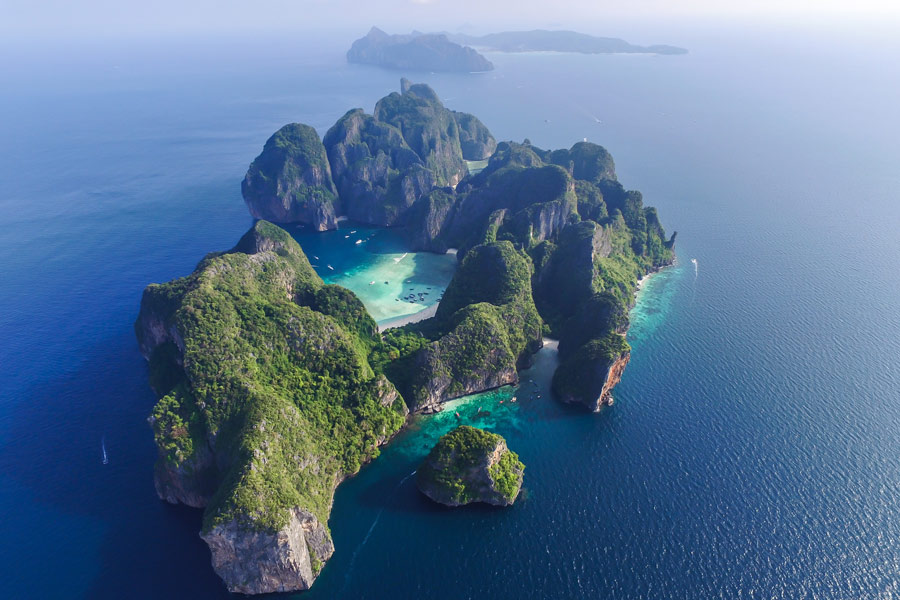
column 754, row 447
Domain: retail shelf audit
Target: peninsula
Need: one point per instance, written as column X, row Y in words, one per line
column 543, row 40
column 274, row 386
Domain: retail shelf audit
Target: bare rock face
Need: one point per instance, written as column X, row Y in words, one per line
column 590, row 373
column 290, row 182
column 191, row 483
column 475, row 139
column 260, row 562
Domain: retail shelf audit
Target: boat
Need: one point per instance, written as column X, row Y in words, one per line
column 372, row 282
column 359, row 241
column 330, row 267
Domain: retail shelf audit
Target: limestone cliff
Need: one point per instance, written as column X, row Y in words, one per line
column 290, row 181
column 378, row 175
column 430, row 130
column 263, row 562
column 487, row 326
column 589, row 374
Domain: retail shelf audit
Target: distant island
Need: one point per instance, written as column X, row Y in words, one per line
column 445, row 52
column 274, row 386
column 558, row 41
column 416, row 52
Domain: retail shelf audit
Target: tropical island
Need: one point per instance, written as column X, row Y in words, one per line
column 456, row 52
column 543, row 40
column 274, row 386
column 471, row 465
column 416, row 51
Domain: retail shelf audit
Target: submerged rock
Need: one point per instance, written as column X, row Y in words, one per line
column 471, row 465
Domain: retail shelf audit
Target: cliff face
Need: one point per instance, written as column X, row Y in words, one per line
column 290, row 181
column 588, row 376
column 417, row 51
column 476, row 141
column 263, row 562
column 429, row 129
column 488, row 327
column 254, row 358
column 377, row 174
column 470, row 465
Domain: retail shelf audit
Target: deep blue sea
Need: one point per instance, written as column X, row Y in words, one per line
column 754, row 448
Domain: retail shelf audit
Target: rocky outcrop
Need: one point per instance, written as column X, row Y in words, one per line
column 470, row 465
column 251, row 561
column 473, row 357
column 589, row 377
column 416, row 51
column 429, row 129
column 290, row 181
column 476, row 141
column 191, row 482
column 428, row 218
column 378, row 176
column 489, row 328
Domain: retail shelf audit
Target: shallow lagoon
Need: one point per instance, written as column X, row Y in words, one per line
column 377, row 266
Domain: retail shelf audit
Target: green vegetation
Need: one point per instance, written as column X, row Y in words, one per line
column 485, row 327
column 507, row 475
column 290, row 181
column 582, row 374
column 430, row 130
column 458, row 470
column 276, row 380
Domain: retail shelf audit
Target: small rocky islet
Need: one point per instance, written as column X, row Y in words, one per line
column 274, row 386
column 471, row 465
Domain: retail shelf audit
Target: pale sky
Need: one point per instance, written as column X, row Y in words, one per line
column 68, row 18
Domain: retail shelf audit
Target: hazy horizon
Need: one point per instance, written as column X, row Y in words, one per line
column 48, row 20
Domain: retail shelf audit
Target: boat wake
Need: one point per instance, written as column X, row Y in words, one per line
column 368, row 534
column 396, row 260
column 103, row 450
column 696, row 273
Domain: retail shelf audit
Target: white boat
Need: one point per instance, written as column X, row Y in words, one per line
column 330, row 267
column 359, row 241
